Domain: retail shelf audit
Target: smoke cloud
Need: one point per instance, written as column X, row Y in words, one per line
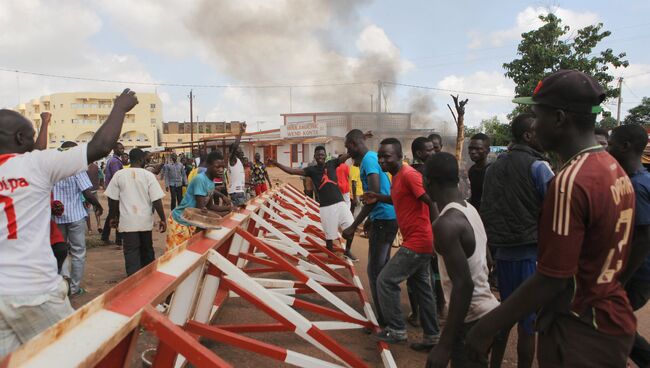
column 294, row 42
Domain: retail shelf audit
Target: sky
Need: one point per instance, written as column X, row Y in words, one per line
column 254, row 60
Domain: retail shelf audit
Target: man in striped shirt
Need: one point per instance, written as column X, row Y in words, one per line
column 72, row 223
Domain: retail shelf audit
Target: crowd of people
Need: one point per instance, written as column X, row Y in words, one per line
column 564, row 246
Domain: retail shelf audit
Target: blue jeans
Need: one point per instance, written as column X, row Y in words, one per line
column 74, row 234
column 381, row 236
column 238, row 199
column 407, row 264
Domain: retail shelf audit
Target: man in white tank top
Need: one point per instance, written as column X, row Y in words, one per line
column 461, row 244
column 236, row 173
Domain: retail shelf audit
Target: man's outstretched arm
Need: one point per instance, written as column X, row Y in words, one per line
column 287, row 169
column 373, row 186
column 107, row 134
column 534, row 293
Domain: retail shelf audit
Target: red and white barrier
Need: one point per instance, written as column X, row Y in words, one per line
column 277, row 236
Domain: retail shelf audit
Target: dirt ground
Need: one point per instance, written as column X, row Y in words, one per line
column 105, row 268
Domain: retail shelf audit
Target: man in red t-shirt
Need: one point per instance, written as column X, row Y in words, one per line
column 412, row 261
column 584, row 235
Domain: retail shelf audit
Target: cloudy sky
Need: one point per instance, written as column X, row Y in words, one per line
column 242, row 56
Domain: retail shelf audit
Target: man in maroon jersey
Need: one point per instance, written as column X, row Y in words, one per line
column 584, row 233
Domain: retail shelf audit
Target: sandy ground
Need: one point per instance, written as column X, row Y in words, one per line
column 105, row 268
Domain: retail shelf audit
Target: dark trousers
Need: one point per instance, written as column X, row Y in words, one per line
column 177, row 195
column 106, row 232
column 381, row 237
column 567, row 341
column 138, row 250
column 461, row 357
column 638, row 291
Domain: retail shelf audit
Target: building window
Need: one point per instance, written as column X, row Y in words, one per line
column 180, row 140
column 61, row 106
column 153, row 121
column 152, row 107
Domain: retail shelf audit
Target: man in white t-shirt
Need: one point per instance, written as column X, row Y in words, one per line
column 132, row 193
column 32, row 294
column 236, row 173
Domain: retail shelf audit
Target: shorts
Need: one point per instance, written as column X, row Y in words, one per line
column 346, row 199
column 24, row 316
column 510, row 275
column 260, row 188
column 238, row 199
column 570, row 342
column 177, row 234
column 334, row 217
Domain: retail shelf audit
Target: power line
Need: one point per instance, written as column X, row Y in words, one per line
column 448, row 90
column 185, row 85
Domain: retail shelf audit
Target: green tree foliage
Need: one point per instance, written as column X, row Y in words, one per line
column 607, row 122
column 639, row 114
column 552, row 47
column 470, row 131
column 499, row 133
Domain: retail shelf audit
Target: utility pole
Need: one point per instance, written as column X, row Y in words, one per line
column 620, row 92
column 379, row 96
column 191, row 124
column 371, row 103
column 290, row 100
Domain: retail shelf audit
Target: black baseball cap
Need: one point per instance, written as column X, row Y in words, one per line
column 569, row 90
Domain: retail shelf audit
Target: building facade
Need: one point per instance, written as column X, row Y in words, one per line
column 174, row 132
column 76, row 117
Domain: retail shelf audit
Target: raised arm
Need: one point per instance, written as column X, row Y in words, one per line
column 107, row 134
column 287, row 169
column 41, row 140
column 448, row 245
column 233, row 159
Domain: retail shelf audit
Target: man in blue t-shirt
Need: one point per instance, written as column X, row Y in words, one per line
column 200, row 194
column 383, row 222
column 626, row 144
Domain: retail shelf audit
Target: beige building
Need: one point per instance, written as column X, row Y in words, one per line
column 175, row 133
column 77, row 116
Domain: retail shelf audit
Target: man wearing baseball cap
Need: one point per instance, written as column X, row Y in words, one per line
column 583, row 233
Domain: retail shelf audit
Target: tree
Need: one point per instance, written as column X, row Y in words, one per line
column 639, row 114
column 470, row 131
column 552, row 47
column 607, row 122
column 459, row 118
column 499, row 133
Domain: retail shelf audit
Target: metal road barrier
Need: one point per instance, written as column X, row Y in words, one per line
column 277, row 234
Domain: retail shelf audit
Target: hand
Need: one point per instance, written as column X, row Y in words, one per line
column 348, row 234
column 114, row 223
column 370, row 198
column 126, row 101
column 227, row 201
column 242, row 128
column 438, row 357
column 45, row 118
column 162, row 226
column 477, row 341
column 99, row 211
